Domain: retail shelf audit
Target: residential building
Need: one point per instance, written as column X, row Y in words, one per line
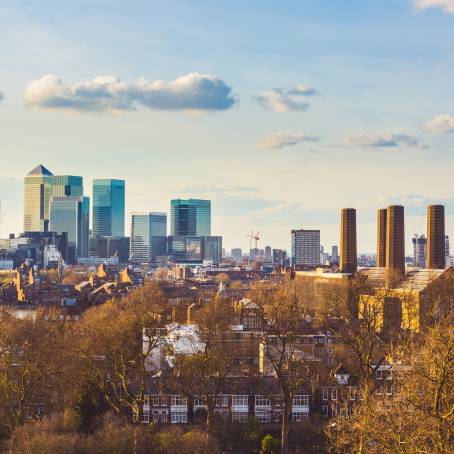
column 305, row 247
column 148, row 236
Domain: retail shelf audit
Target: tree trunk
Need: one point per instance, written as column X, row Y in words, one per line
column 284, row 427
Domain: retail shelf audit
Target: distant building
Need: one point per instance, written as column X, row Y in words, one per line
column 37, row 194
column 305, row 247
column 268, row 254
column 107, row 246
column 436, row 240
column 66, row 185
column 109, row 208
column 148, row 237
column 184, row 248
column 190, row 217
column 71, row 214
column 237, row 254
column 335, row 253
column 279, row 257
column 212, row 248
column 395, row 239
column 419, row 250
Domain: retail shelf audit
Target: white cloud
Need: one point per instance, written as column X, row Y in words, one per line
column 446, row 5
column 285, row 138
column 382, row 141
column 282, row 100
column 441, row 124
column 192, row 92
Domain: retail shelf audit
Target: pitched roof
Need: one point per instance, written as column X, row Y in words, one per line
column 40, row 170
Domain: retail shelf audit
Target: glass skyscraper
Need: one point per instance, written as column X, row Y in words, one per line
column 148, row 237
column 109, row 207
column 66, row 185
column 37, row 194
column 190, row 217
column 71, row 214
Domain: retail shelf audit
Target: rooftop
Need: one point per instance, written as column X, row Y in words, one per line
column 40, row 170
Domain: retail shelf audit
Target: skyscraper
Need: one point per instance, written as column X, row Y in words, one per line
column 348, row 255
column 381, row 237
column 419, row 250
column 66, row 185
column 435, row 237
column 71, row 214
column 395, row 240
column 190, row 217
column 148, row 236
column 37, row 194
column 305, row 247
column 109, row 207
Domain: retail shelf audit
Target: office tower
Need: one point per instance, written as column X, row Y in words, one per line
column 237, row 254
column 447, row 247
column 279, row 257
column 148, row 237
column 37, row 194
column 305, row 247
column 335, row 253
column 108, row 207
column 212, row 248
column 419, row 250
column 381, row 237
column 66, row 185
column 395, row 240
column 268, row 254
column 71, row 214
column 190, row 217
column 436, row 248
column 348, row 255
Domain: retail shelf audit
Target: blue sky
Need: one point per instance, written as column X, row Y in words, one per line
column 264, row 105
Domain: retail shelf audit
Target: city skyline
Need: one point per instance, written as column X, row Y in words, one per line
column 358, row 91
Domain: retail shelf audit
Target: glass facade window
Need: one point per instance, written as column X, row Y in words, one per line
column 148, row 237
column 66, row 185
column 109, row 207
column 190, row 217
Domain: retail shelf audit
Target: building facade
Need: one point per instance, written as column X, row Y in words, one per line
column 190, row 217
column 109, row 207
column 148, row 237
column 305, row 247
column 419, row 250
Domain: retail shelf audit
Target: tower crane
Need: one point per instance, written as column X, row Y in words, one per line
column 256, row 237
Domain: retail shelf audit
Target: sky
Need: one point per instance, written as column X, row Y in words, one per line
column 280, row 112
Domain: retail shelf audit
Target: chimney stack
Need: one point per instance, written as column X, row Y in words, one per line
column 435, row 237
column 348, row 253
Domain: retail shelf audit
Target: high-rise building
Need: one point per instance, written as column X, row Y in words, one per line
column 237, row 254
column 436, row 249
column 305, row 247
column 335, row 253
column 190, row 217
column 212, row 248
column 279, row 257
column 268, row 254
column 348, row 254
column 148, row 237
column 109, row 207
column 71, row 214
column 381, row 237
column 37, row 194
column 447, row 247
column 419, row 250
column 66, row 185
column 395, row 240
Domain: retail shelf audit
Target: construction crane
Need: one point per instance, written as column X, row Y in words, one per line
column 256, row 237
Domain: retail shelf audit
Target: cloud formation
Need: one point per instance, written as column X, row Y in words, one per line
column 282, row 100
column 192, row 92
column 441, row 124
column 283, row 139
column 382, row 141
column 446, row 5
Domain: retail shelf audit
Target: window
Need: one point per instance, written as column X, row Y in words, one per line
column 240, row 401
column 378, row 391
column 320, row 340
column 155, row 401
column 222, row 400
column 352, row 392
column 277, row 417
column 334, row 394
column 389, row 388
column 298, row 416
column 389, row 375
column 160, row 417
column 146, row 417
column 262, row 401
column 300, row 401
column 239, row 416
column 179, row 401
column 179, row 417
column 146, row 400
column 325, row 410
column 379, row 374
column 324, row 394
column 263, row 416
column 199, row 401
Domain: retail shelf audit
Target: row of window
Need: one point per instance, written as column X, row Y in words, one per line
column 223, row 400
